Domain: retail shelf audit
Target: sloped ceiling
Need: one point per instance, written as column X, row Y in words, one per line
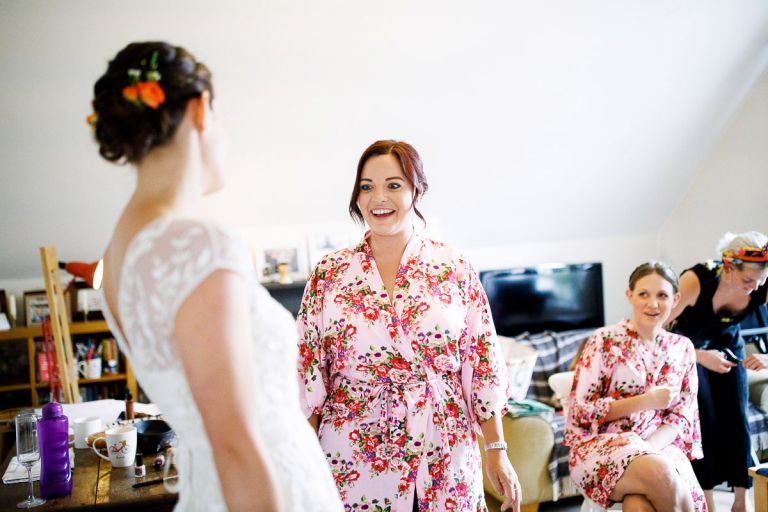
column 535, row 120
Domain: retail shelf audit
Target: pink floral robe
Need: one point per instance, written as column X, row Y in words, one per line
column 617, row 364
column 401, row 387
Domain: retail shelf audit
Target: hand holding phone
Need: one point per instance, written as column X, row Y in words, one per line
column 731, row 356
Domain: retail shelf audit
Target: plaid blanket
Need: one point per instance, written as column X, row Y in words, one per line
column 555, row 351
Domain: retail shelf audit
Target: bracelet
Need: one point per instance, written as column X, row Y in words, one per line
column 498, row 445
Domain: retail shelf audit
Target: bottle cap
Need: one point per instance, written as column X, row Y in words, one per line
column 52, row 410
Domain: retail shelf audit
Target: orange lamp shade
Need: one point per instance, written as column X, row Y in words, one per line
column 91, row 273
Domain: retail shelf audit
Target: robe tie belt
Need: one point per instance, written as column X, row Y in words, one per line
column 399, row 408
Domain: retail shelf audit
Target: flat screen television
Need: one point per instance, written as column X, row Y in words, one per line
column 545, row 298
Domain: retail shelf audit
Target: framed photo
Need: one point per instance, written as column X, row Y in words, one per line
column 269, row 256
column 35, row 307
column 5, row 320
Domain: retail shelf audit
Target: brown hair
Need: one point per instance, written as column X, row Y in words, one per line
column 125, row 131
column 410, row 163
column 654, row 267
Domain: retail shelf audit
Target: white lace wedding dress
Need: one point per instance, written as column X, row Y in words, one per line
column 163, row 264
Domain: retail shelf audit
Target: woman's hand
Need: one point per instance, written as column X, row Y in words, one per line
column 714, row 360
column 756, row 362
column 503, row 479
column 660, row 397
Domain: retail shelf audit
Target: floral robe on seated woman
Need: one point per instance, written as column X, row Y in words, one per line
column 617, row 364
column 401, row 383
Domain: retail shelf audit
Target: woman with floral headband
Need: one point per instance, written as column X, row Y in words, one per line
column 223, row 379
column 714, row 297
column 400, row 368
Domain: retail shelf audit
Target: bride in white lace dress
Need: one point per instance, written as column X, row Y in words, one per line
column 207, row 343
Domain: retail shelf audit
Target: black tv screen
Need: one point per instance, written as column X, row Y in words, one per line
column 545, row 298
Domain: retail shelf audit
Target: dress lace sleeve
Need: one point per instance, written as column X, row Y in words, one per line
column 163, row 266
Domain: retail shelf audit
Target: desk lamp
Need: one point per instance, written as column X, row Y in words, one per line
column 91, row 273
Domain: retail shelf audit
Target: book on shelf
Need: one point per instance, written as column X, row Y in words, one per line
column 46, row 361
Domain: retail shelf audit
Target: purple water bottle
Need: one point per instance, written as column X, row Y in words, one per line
column 53, row 435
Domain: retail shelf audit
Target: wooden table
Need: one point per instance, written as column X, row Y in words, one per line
column 761, row 489
column 96, row 485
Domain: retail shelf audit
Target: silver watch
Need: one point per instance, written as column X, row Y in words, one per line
column 498, row 445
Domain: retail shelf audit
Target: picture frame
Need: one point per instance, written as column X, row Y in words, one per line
column 5, row 321
column 269, row 254
column 3, row 302
column 35, row 307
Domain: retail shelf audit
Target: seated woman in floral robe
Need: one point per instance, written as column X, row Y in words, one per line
column 633, row 422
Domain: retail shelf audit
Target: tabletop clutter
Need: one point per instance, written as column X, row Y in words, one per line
column 132, row 438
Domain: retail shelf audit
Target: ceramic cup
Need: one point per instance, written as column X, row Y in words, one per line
column 83, row 427
column 121, row 446
column 90, row 369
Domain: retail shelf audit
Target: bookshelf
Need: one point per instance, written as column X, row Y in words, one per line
column 26, row 380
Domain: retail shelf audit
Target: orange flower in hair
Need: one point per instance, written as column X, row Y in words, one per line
column 147, row 92
column 92, row 119
column 131, row 93
column 151, row 94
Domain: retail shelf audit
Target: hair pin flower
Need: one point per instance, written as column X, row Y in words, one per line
column 147, row 92
column 93, row 120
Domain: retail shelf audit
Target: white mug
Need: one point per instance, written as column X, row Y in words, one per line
column 83, row 427
column 121, row 446
column 90, row 369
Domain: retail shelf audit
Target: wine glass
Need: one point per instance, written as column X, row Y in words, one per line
column 28, row 452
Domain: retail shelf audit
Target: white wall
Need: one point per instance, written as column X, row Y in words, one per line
column 540, row 116
column 549, row 131
column 730, row 192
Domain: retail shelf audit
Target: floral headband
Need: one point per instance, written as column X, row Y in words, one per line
column 142, row 93
column 746, row 255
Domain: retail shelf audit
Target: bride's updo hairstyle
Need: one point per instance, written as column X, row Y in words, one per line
column 140, row 100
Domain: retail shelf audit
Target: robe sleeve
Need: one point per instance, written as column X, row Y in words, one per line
column 589, row 401
column 313, row 369
column 683, row 413
column 484, row 379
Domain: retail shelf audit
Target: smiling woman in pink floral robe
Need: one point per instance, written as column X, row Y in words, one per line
column 401, row 387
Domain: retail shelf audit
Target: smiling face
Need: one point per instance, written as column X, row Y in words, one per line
column 652, row 300
column 747, row 279
column 386, row 197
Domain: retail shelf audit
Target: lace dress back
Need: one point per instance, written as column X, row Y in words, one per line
column 162, row 266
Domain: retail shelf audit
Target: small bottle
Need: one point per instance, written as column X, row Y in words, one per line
column 128, row 405
column 159, row 461
column 53, row 436
column 139, row 469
